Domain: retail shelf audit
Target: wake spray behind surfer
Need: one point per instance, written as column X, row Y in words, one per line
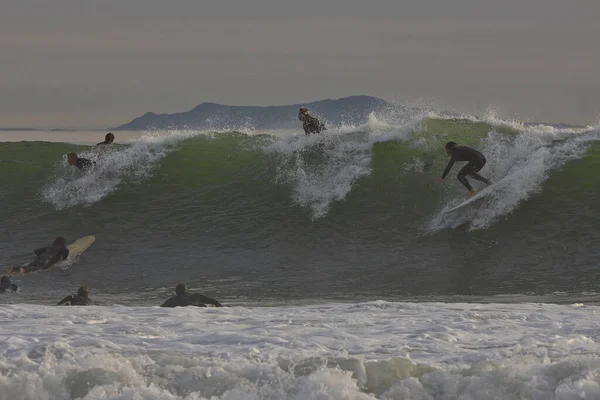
column 46, row 256
column 475, row 161
column 310, row 123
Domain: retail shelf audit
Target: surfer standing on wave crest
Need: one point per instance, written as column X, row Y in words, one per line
column 475, row 159
column 310, row 123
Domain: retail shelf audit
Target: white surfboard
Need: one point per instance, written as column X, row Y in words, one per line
column 79, row 246
column 486, row 191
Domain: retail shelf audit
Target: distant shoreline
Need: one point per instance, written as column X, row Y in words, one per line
column 50, row 130
column 41, row 130
column 351, row 110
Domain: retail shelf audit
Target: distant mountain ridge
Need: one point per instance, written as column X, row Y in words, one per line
column 351, row 110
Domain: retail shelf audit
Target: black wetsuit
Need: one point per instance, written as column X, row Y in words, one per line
column 84, row 164
column 475, row 159
column 7, row 286
column 47, row 257
column 312, row 125
column 190, row 299
column 76, row 300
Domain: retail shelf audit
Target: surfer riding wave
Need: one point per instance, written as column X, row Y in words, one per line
column 476, row 161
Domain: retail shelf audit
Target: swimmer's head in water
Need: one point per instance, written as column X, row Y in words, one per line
column 180, row 289
column 5, row 280
column 83, row 291
column 449, row 146
column 109, row 138
column 72, row 158
column 60, row 241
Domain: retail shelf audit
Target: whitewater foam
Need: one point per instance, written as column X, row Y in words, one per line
column 323, row 169
column 334, row 351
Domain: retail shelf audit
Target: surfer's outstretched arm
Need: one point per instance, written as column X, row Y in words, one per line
column 208, row 300
column 170, row 303
column 67, row 299
column 448, row 167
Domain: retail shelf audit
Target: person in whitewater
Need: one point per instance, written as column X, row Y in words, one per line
column 82, row 163
column 475, row 161
column 46, row 257
column 6, row 285
column 108, row 139
column 80, row 299
column 183, row 298
column 310, row 123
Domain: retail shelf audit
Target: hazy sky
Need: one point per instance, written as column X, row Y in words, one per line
column 85, row 63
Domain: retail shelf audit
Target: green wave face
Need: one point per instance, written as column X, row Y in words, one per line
column 320, row 209
column 349, row 171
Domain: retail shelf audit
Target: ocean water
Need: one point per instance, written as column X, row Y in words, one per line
column 343, row 277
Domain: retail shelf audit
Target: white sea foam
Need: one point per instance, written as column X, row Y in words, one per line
column 335, row 351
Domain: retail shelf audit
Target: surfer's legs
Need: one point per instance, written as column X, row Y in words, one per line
column 480, row 178
column 462, row 176
column 43, row 261
column 471, row 170
column 465, row 182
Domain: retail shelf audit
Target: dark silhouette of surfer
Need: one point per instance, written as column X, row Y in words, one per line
column 80, row 299
column 82, row 163
column 108, row 139
column 6, row 285
column 310, row 124
column 183, row 298
column 46, row 257
column 475, row 162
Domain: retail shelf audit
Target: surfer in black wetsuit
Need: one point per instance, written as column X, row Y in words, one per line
column 183, row 298
column 108, row 139
column 475, row 159
column 80, row 299
column 310, row 123
column 46, row 256
column 6, row 285
column 82, row 163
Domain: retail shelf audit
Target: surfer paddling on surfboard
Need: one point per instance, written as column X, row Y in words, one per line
column 46, row 257
column 475, row 159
